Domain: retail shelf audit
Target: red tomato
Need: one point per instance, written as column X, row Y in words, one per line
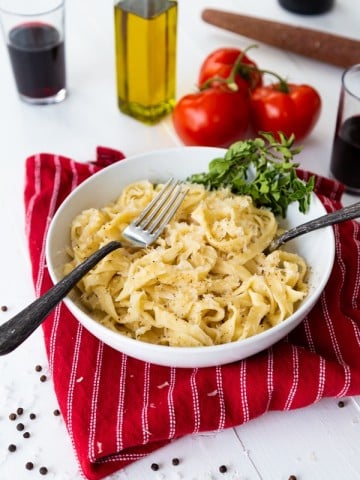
column 220, row 62
column 214, row 117
column 295, row 112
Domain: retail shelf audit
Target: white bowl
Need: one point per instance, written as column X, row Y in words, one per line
column 317, row 248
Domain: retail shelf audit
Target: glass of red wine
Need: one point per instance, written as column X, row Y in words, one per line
column 345, row 157
column 34, row 34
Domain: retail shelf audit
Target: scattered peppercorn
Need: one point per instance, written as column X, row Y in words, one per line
column 175, row 461
column 56, row 412
column 4, row 308
column 222, row 469
column 32, row 416
column 43, row 378
column 38, row 368
column 43, row 470
column 29, row 465
column 341, row 404
column 20, row 411
column 26, row 435
column 154, row 466
column 12, row 447
column 12, row 416
column 20, row 427
column 292, row 477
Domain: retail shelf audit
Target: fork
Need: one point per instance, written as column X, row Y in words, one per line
column 346, row 213
column 142, row 232
column 149, row 225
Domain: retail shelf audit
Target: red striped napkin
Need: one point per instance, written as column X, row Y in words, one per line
column 118, row 409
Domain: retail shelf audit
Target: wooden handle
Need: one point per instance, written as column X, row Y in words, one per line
column 338, row 216
column 16, row 330
column 325, row 47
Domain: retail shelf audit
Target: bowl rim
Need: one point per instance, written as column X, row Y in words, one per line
column 146, row 347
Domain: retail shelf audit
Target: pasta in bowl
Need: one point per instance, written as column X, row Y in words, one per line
column 204, row 294
column 204, row 282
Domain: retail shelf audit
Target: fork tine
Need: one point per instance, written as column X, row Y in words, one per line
column 167, row 215
column 155, row 205
column 145, row 229
column 157, row 214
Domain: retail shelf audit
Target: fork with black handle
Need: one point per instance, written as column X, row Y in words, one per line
column 142, row 232
column 347, row 213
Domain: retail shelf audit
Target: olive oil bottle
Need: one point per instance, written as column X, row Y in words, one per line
column 145, row 46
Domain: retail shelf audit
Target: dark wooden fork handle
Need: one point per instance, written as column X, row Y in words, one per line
column 16, row 330
column 347, row 213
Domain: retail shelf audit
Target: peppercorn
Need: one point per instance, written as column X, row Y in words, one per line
column 38, row 368
column 43, row 470
column 222, row 469
column 29, row 465
column 154, row 466
column 32, row 416
column 4, row 308
column 12, row 416
column 175, row 461
column 12, row 447
column 43, row 378
column 292, row 477
column 26, row 435
column 341, row 404
column 20, row 427
column 56, row 412
column 20, row 411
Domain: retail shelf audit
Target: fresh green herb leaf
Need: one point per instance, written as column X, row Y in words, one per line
column 262, row 168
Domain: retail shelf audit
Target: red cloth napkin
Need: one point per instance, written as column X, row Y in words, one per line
column 118, row 409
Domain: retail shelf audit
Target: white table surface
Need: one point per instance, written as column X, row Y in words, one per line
column 317, row 442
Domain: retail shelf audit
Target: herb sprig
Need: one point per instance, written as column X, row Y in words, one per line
column 262, row 168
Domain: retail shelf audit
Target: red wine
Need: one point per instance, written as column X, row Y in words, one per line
column 307, row 7
column 37, row 55
column 345, row 160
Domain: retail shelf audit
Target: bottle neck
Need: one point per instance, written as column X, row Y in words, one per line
column 145, row 8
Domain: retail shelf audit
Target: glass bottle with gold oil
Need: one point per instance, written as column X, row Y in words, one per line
column 145, row 46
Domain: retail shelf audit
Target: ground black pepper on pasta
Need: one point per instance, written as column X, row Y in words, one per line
column 162, row 286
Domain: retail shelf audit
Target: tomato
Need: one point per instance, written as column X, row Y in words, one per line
column 293, row 112
column 214, row 117
column 220, row 62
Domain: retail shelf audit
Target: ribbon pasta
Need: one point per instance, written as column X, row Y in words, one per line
column 205, row 281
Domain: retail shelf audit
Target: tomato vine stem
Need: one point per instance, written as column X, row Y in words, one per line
column 244, row 69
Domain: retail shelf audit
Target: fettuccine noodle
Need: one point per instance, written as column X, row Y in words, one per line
column 204, row 282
